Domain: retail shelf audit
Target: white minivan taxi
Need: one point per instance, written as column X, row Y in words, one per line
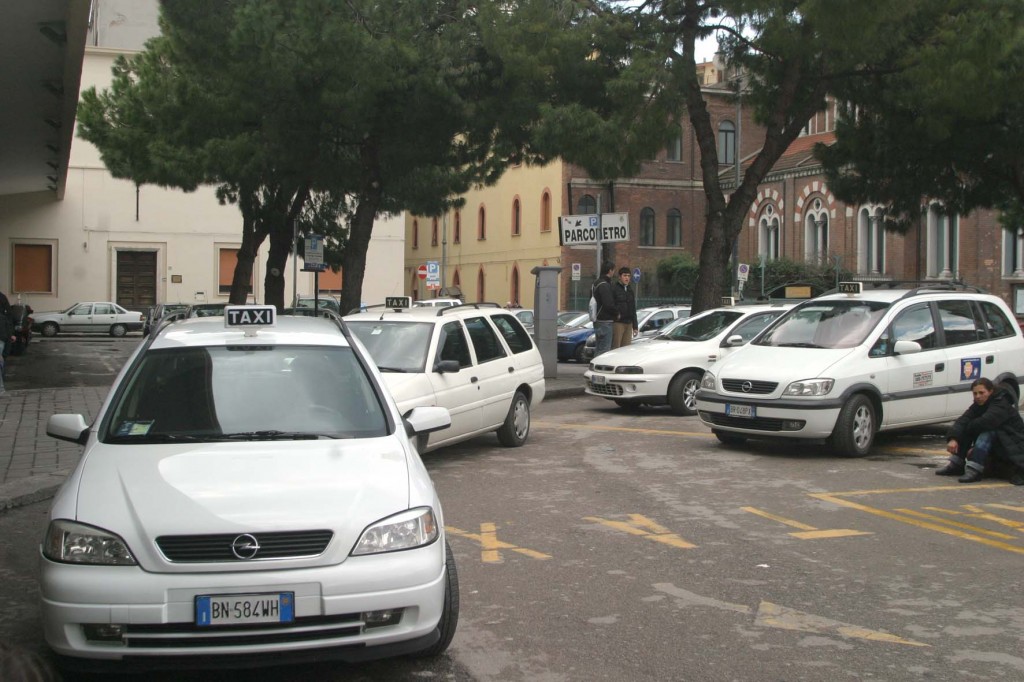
column 843, row 366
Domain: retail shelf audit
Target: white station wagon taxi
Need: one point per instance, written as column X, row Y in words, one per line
column 474, row 359
column 248, row 492
column 841, row 367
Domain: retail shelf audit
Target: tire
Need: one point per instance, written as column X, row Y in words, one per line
column 577, row 354
column 450, row 615
column 855, row 428
column 726, row 438
column 682, row 393
column 50, row 329
column 118, row 330
column 516, row 429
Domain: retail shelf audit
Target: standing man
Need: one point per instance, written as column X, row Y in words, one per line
column 625, row 327
column 606, row 312
column 6, row 335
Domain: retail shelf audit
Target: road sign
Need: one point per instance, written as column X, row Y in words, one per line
column 636, row 274
column 742, row 271
column 577, row 270
column 313, row 261
column 433, row 274
column 586, row 229
column 421, row 271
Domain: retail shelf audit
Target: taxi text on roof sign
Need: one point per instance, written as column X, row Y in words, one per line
column 250, row 316
column 850, row 287
column 398, row 301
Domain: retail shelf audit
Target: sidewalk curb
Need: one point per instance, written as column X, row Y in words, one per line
column 31, row 489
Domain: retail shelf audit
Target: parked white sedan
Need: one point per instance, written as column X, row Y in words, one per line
column 477, row 360
column 101, row 317
column 668, row 367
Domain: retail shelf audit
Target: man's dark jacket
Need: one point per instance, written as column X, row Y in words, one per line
column 605, row 298
column 625, row 304
column 999, row 414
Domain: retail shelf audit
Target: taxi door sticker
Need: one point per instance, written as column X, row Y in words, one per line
column 970, row 369
column 922, row 379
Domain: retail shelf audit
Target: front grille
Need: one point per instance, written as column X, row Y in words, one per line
column 215, row 548
column 757, row 424
column 189, row 635
column 605, row 389
column 756, row 387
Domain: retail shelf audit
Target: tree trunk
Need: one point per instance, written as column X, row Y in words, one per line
column 253, row 234
column 353, row 260
column 282, row 238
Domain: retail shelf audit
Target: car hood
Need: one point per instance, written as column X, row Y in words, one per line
column 142, row 493
column 782, row 365
column 659, row 351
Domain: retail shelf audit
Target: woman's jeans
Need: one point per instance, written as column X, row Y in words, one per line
column 976, row 454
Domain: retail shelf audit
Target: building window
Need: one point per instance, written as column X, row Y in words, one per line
column 517, row 213
column 943, row 243
column 415, row 289
column 433, row 232
column 481, row 223
column 456, row 279
column 674, row 228
column 415, row 234
column 481, row 289
column 587, row 205
column 674, row 150
column 545, row 212
column 33, row 268
column 726, row 143
column 769, row 233
column 227, row 259
column 1013, row 252
column 816, row 233
column 457, row 236
column 514, row 288
column 871, row 241
column 647, row 227
column 329, row 281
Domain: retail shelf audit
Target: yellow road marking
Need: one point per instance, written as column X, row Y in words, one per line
column 490, row 544
column 956, row 524
column 977, row 512
column 807, row 532
column 644, row 527
column 1007, row 506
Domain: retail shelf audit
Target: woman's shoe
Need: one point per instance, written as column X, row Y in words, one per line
column 950, row 470
column 970, row 476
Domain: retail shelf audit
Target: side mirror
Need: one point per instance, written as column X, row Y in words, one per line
column 444, row 366
column 69, row 427
column 426, row 420
column 734, row 340
column 906, row 347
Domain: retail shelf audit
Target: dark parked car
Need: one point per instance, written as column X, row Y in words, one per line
column 159, row 312
column 21, row 316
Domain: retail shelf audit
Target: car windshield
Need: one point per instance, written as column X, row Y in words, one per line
column 826, row 324
column 246, row 393
column 395, row 346
column 566, row 319
column 703, row 327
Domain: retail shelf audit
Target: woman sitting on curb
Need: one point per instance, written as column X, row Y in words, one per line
column 992, row 423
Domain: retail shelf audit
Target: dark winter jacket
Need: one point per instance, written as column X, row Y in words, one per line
column 625, row 304
column 605, row 298
column 999, row 414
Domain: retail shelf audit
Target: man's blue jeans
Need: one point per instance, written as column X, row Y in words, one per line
column 603, row 334
column 977, row 454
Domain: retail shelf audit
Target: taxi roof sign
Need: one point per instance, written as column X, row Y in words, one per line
column 851, row 287
column 398, row 302
column 250, row 317
column 728, row 301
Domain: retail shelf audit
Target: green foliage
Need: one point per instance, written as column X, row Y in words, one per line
column 782, row 271
column 677, row 275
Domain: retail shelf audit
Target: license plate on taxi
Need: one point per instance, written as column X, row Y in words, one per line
column 234, row 609
column 597, row 379
column 745, row 411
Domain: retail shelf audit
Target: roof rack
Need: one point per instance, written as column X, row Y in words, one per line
column 918, row 286
column 441, row 311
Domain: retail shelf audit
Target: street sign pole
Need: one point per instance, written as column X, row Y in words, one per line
column 599, row 264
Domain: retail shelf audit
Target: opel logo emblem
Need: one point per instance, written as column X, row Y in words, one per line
column 747, row 386
column 245, row 546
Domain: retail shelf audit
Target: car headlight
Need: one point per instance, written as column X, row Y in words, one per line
column 809, row 387
column 708, row 381
column 629, row 370
column 414, row 528
column 563, row 338
column 76, row 543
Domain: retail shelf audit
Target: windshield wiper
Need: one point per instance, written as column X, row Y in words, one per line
column 799, row 345
column 273, row 434
column 393, row 369
column 163, row 438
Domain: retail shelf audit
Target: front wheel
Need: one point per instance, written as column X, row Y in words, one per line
column 50, row 329
column 578, row 353
column 682, row 394
column 450, row 615
column 516, row 428
column 118, row 330
column 855, row 428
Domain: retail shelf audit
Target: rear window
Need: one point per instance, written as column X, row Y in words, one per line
column 517, row 338
column 996, row 322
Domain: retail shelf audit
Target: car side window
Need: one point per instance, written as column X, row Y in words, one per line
column 752, row 326
column 485, row 341
column 915, row 324
column 453, row 346
column 958, row 323
column 517, row 339
column 103, row 309
column 995, row 321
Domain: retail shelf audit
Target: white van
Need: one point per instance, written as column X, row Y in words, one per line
column 841, row 367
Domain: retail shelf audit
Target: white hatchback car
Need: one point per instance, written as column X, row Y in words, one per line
column 841, row 367
column 668, row 367
column 248, row 492
column 477, row 360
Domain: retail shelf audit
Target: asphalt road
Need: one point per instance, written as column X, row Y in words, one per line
column 633, row 546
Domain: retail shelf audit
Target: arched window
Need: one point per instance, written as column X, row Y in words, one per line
column 456, row 279
column 674, row 149
column 514, row 288
column 415, row 288
column 587, row 205
column 517, row 218
column 871, row 241
column 674, row 228
column 433, row 233
column 481, row 223
column 647, row 227
column 726, row 143
column 545, row 212
column 769, row 229
column 481, row 289
column 943, row 243
column 1013, row 252
column 415, row 234
column 816, row 233
column 457, row 230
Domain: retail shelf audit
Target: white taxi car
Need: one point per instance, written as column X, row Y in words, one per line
column 475, row 359
column 248, row 491
column 841, row 367
column 667, row 368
